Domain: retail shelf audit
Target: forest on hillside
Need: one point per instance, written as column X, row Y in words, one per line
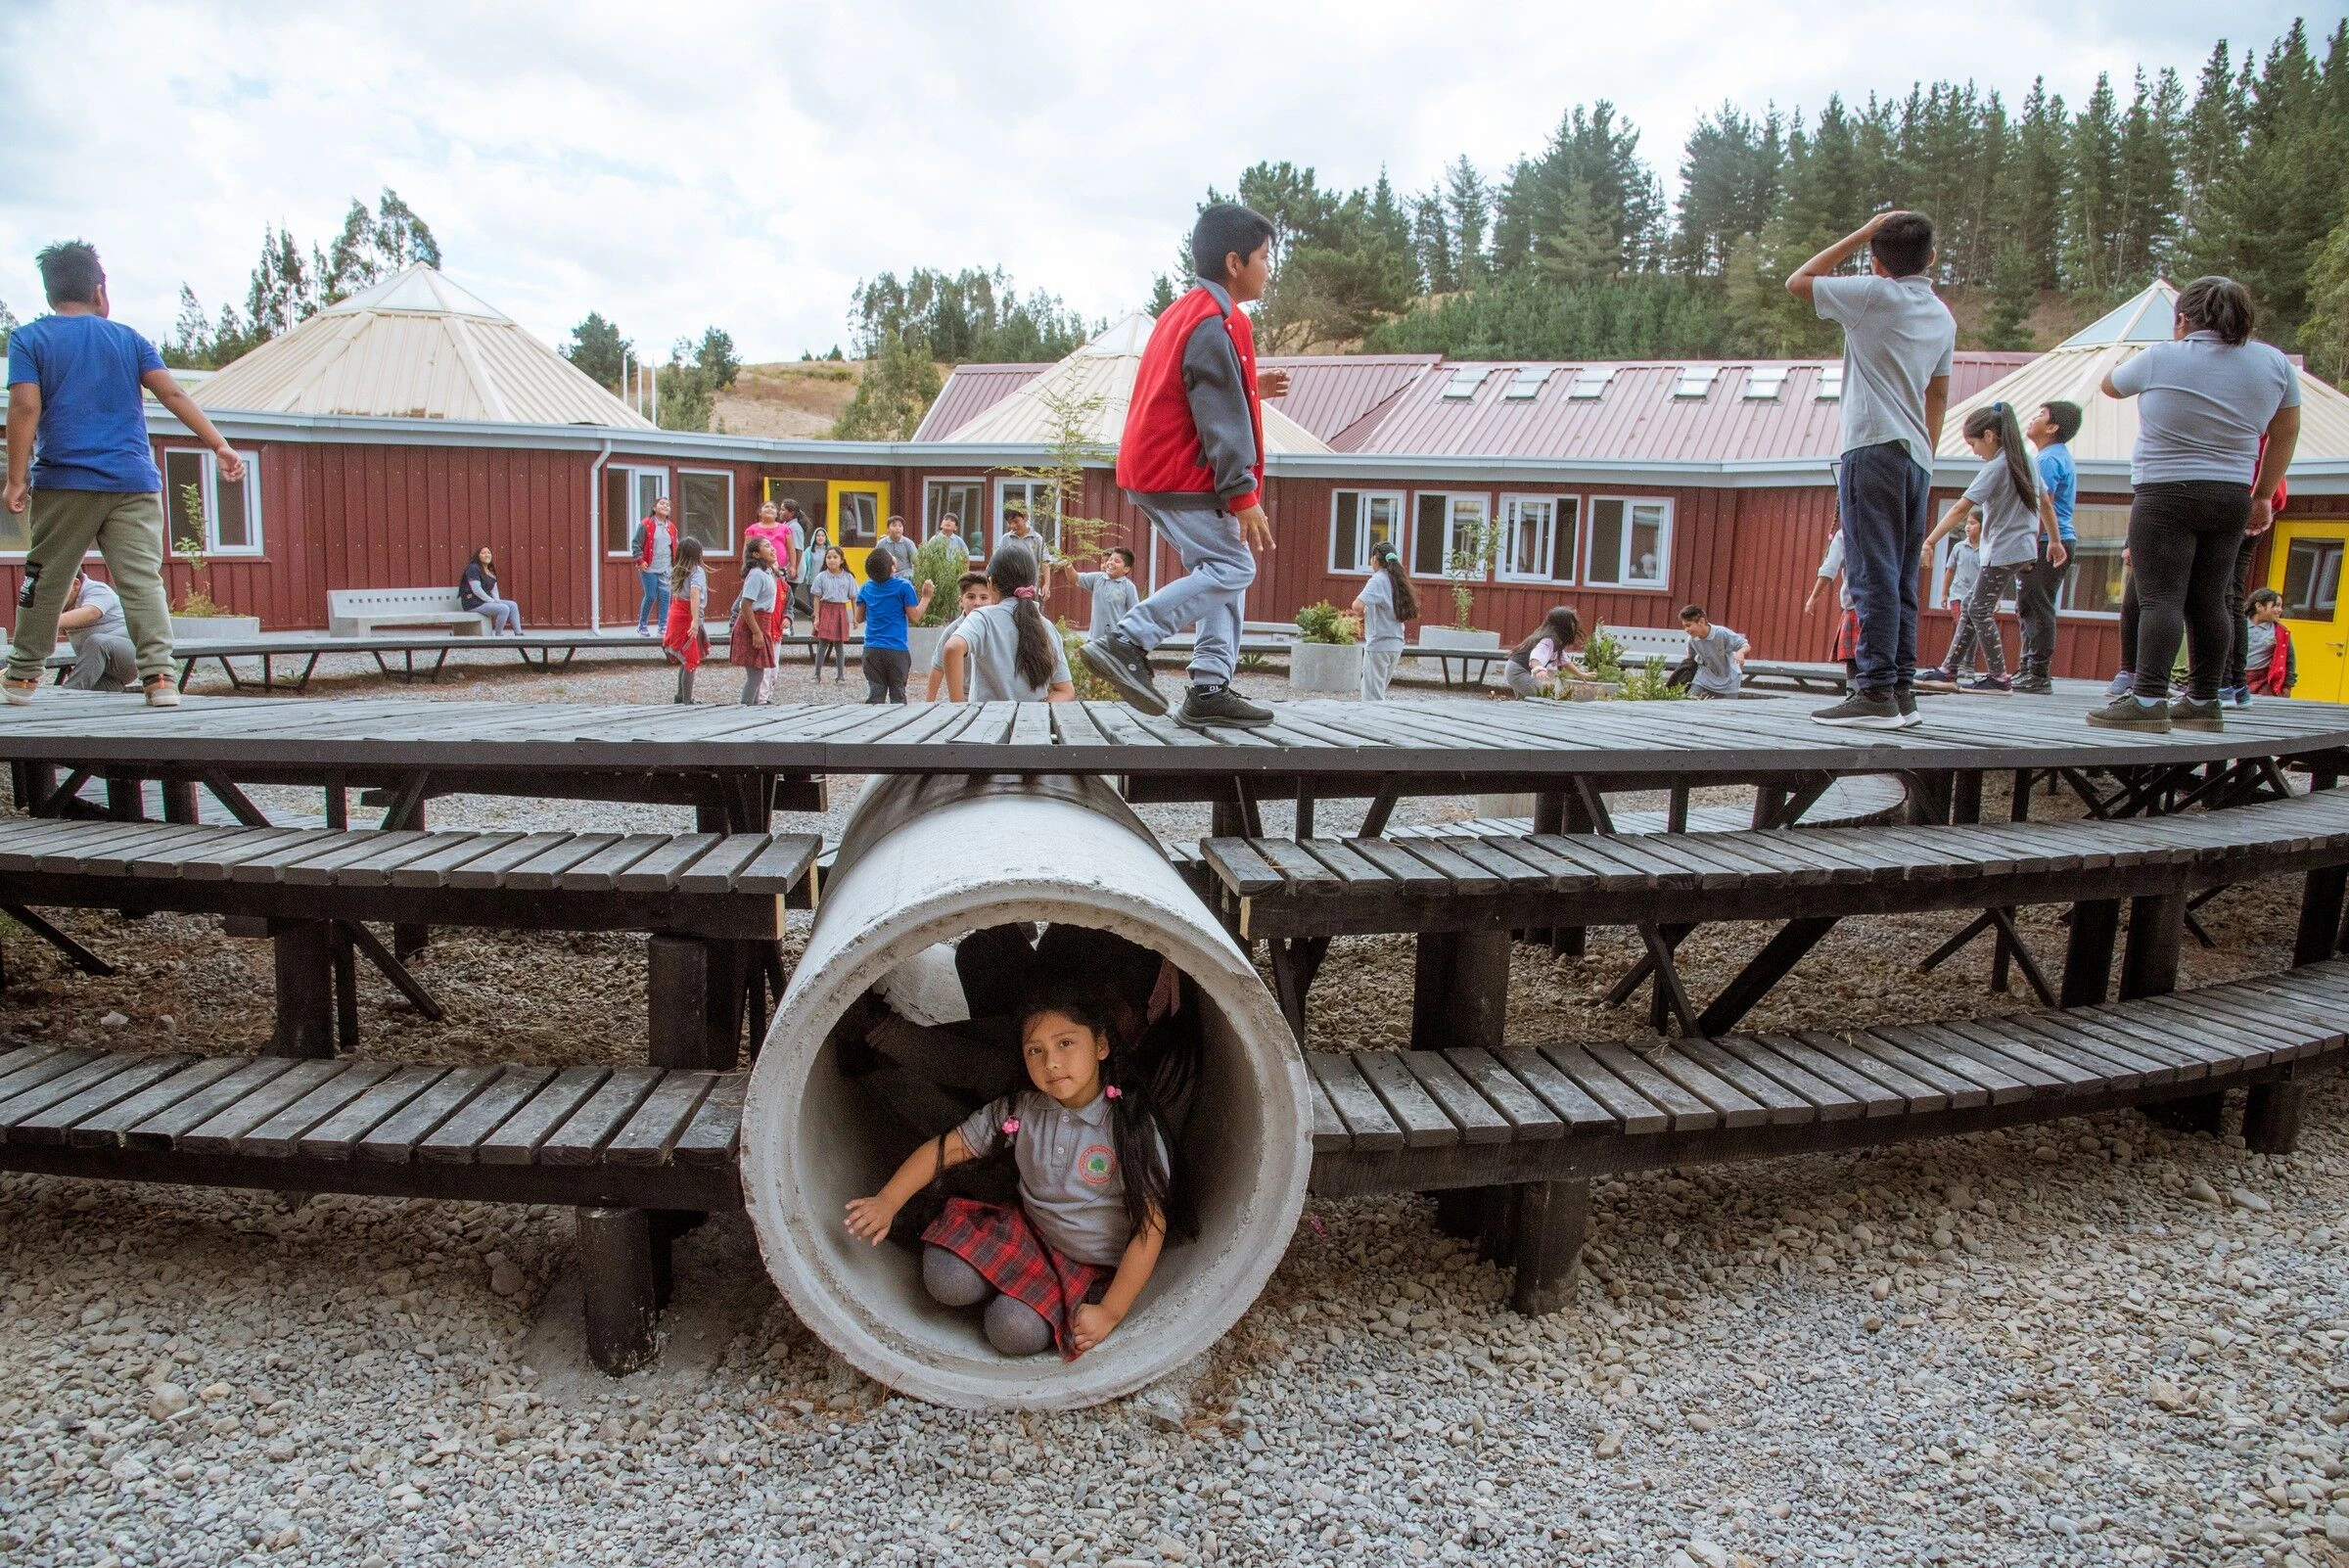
column 1574, row 252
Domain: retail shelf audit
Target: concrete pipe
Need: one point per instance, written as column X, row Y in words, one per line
column 923, row 862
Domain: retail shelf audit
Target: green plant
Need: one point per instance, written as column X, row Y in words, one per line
column 1324, row 621
column 1070, row 448
column 941, row 566
column 1650, row 684
column 198, row 602
column 1603, row 655
column 1255, row 661
column 1465, row 566
column 1090, row 687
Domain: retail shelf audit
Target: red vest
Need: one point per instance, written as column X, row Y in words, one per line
column 644, row 550
column 2269, row 682
column 1160, row 453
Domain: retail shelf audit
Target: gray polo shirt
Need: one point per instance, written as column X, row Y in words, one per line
column 1714, row 673
column 1897, row 336
column 95, row 595
column 1380, row 628
column 2202, row 406
column 1112, row 598
column 1070, row 1183
column 991, row 671
column 900, row 550
column 2009, row 526
column 1034, row 543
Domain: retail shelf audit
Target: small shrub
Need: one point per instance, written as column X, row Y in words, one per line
column 1603, row 655
column 941, row 566
column 1326, row 622
column 1651, row 682
column 1090, row 687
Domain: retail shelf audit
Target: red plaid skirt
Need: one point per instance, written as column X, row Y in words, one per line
column 1847, row 636
column 999, row 1242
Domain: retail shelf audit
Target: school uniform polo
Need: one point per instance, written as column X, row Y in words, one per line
column 1070, row 1183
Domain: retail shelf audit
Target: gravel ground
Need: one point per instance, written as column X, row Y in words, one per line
column 2095, row 1342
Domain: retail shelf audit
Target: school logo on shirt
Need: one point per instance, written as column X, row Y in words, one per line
column 1096, row 1165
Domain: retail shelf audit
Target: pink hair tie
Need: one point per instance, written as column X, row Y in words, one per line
column 1011, row 1125
column 1023, row 593
column 1109, row 1090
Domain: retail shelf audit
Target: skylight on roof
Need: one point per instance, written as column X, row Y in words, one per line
column 1762, row 382
column 1527, row 383
column 1696, row 381
column 1464, row 381
column 1590, row 381
column 1830, row 383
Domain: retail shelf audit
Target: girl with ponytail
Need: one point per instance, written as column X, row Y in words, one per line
column 1007, row 651
column 1385, row 603
column 2013, row 509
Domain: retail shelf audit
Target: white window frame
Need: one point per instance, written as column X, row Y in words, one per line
column 676, row 507
column 977, row 482
column 1451, row 522
column 1027, row 488
column 1623, row 582
column 1506, row 567
column 1360, row 566
column 635, row 472
column 212, row 501
column 2081, row 558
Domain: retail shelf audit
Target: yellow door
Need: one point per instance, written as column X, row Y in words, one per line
column 2305, row 567
column 858, row 512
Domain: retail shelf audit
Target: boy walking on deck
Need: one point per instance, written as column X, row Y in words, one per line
column 1899, row 339
column 1193, row 460
column 74, row 381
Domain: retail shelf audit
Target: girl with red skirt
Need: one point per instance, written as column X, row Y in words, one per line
column 684, row 638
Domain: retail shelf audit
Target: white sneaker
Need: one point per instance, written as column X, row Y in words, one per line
column 162, row 692
column 21, row 693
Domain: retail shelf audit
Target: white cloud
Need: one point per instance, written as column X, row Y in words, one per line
column 680, row 165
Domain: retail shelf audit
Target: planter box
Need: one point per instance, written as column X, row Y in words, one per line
column 924, row 641
column 214, row 628
column 1325, row 666
column 1591, row 691
column 1454, row 637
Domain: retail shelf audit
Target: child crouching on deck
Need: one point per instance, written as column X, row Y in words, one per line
column 1064, row 1265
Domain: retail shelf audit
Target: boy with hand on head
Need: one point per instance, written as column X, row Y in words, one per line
column 2050, row 430
column 1112, row 588
column 1192, row 458
column 1899, row 343
column 74, row 381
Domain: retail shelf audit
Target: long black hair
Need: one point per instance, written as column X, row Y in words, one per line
column 1383, row 558
column 1561, row 627
column 1012, row 570
column 1138, row 1093
column 1998, row 419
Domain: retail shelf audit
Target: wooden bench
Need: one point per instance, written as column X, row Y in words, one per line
column 713, row 903
column 1465, row 895
column 358, row 611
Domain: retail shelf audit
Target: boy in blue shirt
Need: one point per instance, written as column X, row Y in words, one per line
column 2050, row 430
column 79, row 457
column 883, row 602
column 1899, row 341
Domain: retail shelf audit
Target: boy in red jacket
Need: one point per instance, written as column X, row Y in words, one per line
column 1192, row 459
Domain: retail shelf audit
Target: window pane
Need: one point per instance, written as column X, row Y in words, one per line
column 1427, row 541
column 651, row 485
column 859, row 518
column 2312, row 579
column 233, row 527
column 1528, row 550
column 706, row 511
column 1383, row 524
column 1345, row 536
column 620, row 518
column 1468, row 536
column 1646, row 561
column 1606, row 543
column 953, row 498
column 183, row 495
column 1562, row 541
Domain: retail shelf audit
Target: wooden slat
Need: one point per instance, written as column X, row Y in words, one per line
column 542, row 871
column 1528, row 1120
column 600, row 871
column 432, row 871
column 516, row 1140
column 163, row 1130
column 1573, row 1105
column 716, row 870
column 652, row 1131
column 49, row 1125
column 1780, row 1105
column 1919, row 1094
column 711, row 1137
column 1690, row 1114
column 1357, row 1103
column 42, row 1069
column 1477, row 1120
column 1830, row 1102
column 1736, row 1107
column 394, row 1140
column 1329, row 1130
column 1625, row 1104
column 603, row 1114
column 1994, row 1085
column 1423, row 1122
column 338, row 1137
column 490, row 871
column 105, row 1128
column 34, row 1097
column 1872, row 1096
column 658, row 873
column 223, row 1131
column 779, row 866
column 456, row 1140
column 1236, row 863
column 278, row 1137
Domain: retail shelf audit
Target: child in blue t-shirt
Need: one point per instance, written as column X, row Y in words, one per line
column 74, row 380
column 2050, row 430
column 883, row 605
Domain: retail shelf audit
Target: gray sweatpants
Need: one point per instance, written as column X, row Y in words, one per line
column 1379, row 659
column 1218, row 567
column 104, row 664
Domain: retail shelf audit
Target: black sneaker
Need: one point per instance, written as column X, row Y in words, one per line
column 2127, row 713
column 1119, row 661
column 1223, row 706
column 1941, row 677
column 2034, row 684
column 2187, row 713
column 1862, row 710
column 1906, row 701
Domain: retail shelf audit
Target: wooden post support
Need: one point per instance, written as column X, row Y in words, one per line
column 695, row 1003
column 346, row 987
column 2320, row 898
column 1552, row 1218
column 179, row 801
column 409, row 940
column 1965, row 802
column 2088, row 953
column 1497, row 1230
column 125, row 799
column 1460, row 1212
column 1569, row 941
column 2272, row 1116
column 305, row 988
column 2149, row 963
column 1460, row 990
column 617, row 1287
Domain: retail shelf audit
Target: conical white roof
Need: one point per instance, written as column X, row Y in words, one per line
column 1100, row 371
column 415, row 347
column 2074, row 371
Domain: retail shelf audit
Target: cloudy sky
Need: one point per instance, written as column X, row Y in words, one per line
column 677, row 165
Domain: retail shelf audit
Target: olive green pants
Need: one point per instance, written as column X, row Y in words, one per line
column 128, row 532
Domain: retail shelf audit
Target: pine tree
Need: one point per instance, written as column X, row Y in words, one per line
column 596, row 348
column 1431, row 245
column 1469, row 200
column 2324, row 335
column 2146, row 230
column 2032, row 200
column 2011, row 303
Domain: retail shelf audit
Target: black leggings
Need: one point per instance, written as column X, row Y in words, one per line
column 2183, row 542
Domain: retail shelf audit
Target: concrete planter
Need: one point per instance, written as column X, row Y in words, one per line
column 923, row 641
column 1454, row 637
column 214, row 628
column 1325, row 666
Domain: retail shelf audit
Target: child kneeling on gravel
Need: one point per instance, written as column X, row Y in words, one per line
column 1063, row 1265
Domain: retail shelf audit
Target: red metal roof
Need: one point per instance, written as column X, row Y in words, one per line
column 1393, row 404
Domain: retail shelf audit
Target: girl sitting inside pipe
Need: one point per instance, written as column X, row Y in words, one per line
column 1097, row 1190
